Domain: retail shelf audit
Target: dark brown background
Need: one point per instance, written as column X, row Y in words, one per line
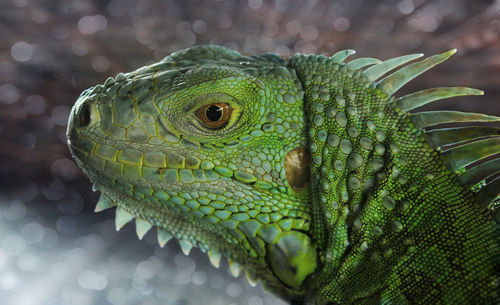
column 52, row 50
column 77, row 44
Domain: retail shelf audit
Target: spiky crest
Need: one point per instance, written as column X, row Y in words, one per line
column 471, row 144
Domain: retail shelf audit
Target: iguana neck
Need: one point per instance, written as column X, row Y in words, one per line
column 340, row 178
column 367, row 184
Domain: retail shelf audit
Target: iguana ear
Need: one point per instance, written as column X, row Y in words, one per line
column 462, row 149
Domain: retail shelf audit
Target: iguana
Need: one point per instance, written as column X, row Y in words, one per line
column 308, row 172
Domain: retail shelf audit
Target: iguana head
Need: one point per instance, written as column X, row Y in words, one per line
column 208, row 146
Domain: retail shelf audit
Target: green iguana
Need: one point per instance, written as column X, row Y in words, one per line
column 307, row 171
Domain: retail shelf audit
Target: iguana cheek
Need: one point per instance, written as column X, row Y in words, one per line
column 292, row 258
column 297, row 170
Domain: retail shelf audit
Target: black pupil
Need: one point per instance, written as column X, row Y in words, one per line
column 84, row 115
column 214, row 113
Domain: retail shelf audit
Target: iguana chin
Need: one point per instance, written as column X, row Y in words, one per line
column 307, row 171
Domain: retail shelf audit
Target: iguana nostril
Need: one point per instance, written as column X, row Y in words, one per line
column 84, row 115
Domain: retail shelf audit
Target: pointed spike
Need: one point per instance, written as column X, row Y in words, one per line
column 122, row 217
column 379, row 70
column 98, row 88
column 430, row 118
column 362, row 62
column 103, row 203
column 447, row 136
column 163, row 237
column 340, row 56
column 186, row 246
column 489, row 193
column 478, row 173
column 461, row 156
column 234, row 267
column 120, row 77
column 109, row 81
column 251, row 279
column 214, row 257
column 398, row 79
column 142, row 227
column 420, row 98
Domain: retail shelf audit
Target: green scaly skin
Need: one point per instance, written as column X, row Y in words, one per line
column 320, row 184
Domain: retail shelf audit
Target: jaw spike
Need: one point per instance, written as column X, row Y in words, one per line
column 340, row 56
column 214, row 257
column 234, row 267
column 163, row 237
column 103, row 203
column 251, row 280
column 362, row 62
column 379, row 70
column 398, row 79
column 122, row 218
column 142, row 227
column 186, row 246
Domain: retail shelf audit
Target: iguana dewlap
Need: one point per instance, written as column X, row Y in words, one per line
column 308, row 172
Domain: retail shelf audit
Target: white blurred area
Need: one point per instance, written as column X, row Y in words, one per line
column 82, row 260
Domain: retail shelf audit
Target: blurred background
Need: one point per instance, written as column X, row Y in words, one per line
column 53, row 248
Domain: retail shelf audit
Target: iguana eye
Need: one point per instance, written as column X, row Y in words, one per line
column 215, row 115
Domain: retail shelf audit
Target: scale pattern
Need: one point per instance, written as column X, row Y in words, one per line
column 317, row 181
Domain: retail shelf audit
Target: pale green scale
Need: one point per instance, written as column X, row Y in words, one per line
column 330, row 112
column 340, row 100
column 345, row 146
column 396, row 226
column 341, row 119
column 345, row 195
column 322, row 135
column 377, row 164
column 353, row 132
column 338, row 165
column 117, row 132
column 380, row 149
column 371, row 125
column 313, row 147
column 355, row 160
column 318, row 120
column 388, row 202
column 380, row 136
column 106, row 152
column 333, row 140
column 352, row 112
column 365, row 142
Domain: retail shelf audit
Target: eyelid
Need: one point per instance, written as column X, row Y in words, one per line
column 209, row 98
